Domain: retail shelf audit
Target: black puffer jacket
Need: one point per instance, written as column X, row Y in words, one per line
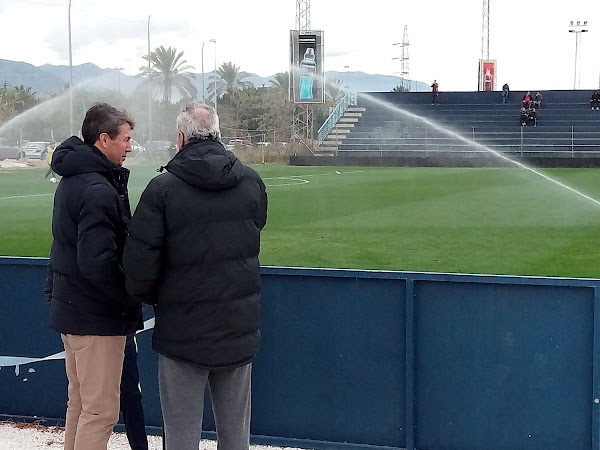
column 193, row 253
column 86, row 281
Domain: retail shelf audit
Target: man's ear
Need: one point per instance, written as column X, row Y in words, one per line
column 103, row 139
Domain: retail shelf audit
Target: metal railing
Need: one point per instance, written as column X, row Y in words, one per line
column 386, row 140
column 348, row 100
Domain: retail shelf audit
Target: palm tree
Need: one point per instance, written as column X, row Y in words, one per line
column 227, row 80
column 400, row 88
column 334, row 90
column 15, row 100
column 281, row 83
column 167, row 72
column 281, row 80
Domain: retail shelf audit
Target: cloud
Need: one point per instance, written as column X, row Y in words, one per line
column 84, row 34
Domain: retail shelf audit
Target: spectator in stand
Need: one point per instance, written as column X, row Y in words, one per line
column 526, row 102
column 532, row 117
column 505, row 93
column 595, row 100
column 523, row 116
column 434, row 93
column 537, row 100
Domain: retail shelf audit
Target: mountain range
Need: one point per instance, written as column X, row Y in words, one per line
column 49, row 79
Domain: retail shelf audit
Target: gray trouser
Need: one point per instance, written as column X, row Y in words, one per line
column 182, row 387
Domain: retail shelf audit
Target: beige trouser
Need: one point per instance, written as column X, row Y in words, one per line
column 94, row 366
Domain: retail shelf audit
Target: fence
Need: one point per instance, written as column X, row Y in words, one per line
column 348, row 100
column 388, row 141
column 368, row 359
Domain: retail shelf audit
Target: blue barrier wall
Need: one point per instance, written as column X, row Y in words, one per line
column 367, row 359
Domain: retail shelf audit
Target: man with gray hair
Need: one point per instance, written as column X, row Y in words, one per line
column 192, row 253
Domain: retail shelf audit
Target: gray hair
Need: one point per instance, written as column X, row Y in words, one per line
column 200, row 121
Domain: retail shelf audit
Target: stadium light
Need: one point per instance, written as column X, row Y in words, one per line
column 577, row 28
column 214, row 41
column 71, row 127
column 347, row 76
column 118, row 69
column 149, row 86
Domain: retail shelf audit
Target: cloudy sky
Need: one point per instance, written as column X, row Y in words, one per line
column 529, row 39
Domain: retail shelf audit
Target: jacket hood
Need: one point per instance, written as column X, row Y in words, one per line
column 206, row 164
column 74, row 157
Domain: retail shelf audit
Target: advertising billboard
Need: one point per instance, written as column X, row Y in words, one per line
column 306, row 67
column 487, row 75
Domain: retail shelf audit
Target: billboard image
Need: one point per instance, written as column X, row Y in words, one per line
column 487, row 75
column 306, row 67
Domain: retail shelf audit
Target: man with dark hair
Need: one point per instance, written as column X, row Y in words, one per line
column 193, row 252
column 89, row 305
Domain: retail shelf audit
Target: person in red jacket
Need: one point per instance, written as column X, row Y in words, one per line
column 434, row 93
column 527, row 99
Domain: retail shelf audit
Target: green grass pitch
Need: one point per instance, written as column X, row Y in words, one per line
column 460, row 220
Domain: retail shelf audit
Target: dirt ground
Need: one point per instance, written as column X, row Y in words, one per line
column 21, row 436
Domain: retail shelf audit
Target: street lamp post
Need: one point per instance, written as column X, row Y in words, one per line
column 577, row 28
column 71, row 127
column 203, row 88
column 149, row 88
column 347, row 77
column 399, row 73
column 118, row 69
column 214, row 41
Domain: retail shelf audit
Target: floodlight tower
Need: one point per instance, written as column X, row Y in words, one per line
column 303, row 15
column 302, row 124
column 485, row 31
column 577, row 28
column 403, row 60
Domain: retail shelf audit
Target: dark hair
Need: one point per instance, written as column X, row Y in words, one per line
column 103, row 118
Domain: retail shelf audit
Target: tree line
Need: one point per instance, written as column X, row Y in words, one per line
column 244, row 110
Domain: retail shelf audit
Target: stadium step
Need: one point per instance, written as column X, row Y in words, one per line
column 565, row 124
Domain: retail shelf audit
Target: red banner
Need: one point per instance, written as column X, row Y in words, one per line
column 487, row 75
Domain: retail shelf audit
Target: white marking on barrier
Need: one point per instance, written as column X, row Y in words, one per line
column 17, row 361
column 314, row 175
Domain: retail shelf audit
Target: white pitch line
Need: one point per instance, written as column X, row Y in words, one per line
column 312, row 175
column 25, row 196
column 300, row 180
column 289, row 177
